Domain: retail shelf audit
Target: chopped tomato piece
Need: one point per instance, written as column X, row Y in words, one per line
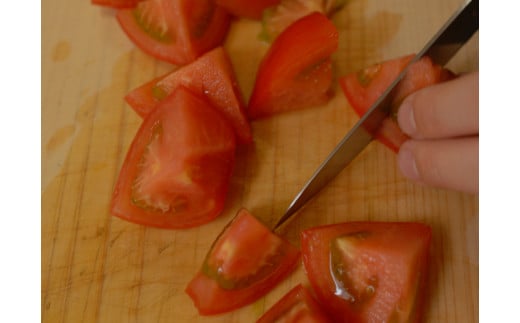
column 210, row 76
column 364, row 87
column 296, row 72
column 145, row 98
column 251, row 9
column 177, row 171
column 421, row 74
column 176, row 31
column 368, row 271
column 116, row 3
column 245, row 262
column 275, row 19
column 297, row 306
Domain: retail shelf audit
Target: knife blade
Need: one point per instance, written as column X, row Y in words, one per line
column 457, row 30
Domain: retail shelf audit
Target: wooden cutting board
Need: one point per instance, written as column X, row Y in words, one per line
column 98, row 268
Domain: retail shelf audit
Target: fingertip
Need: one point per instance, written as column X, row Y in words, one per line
column 406, row 117
column 451, row 163
column 407, row 162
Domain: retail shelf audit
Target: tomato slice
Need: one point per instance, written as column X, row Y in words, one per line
column 177, row 171
column 275, row 19
column 364, row 87
column 296, row 72
column 297, row 306
column 116, row 3
column 245, row 262
column 368, row 271
column 176, row 31
column 211, row 76
column 251, row 9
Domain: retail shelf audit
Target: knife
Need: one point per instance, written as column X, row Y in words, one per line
column 441, row 48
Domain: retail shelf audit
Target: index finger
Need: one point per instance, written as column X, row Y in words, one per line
column 443, row 110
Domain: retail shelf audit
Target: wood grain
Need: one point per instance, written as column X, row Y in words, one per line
column 98, row 268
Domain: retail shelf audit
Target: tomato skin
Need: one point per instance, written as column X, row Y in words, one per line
column 210, row 76
column 251, row 9
column 297, row 306
column 296, row 72
column 176, row 173
column 212, row 295
column 394, row 255
column 186, row 29
column 363, row 88
column 116, row 3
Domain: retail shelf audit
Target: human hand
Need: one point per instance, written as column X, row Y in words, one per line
column 442, row 121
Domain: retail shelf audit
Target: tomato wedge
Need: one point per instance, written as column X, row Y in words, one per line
column 364, row 87
column 116, row 3
column 176, row 31
column 177, row 171
column 368, row 271
column 246, row 261
column 251, row 9
column 275, row 19
column 211, row 76
column 296, row 306
column 296, row 72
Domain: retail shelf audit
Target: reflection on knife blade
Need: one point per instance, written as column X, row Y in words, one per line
column 441, row 48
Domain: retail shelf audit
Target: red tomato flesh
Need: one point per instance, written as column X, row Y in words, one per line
column 176, row 31
column 145, row 98
column 211, row 76
column 368, row 271
column 363, row 88
column 245, row 262
column 251, row 9
column 116, row 3
column 275, row 19
column 297, row 306
column 296, row 72
column 177, row 171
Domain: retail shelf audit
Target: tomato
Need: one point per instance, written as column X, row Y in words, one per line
column 145, row 98
column 211, row 76
column 177, row 171
column 176, row 31
column 421, row 74
column 279, row 17
column 368, row 271
column 364, row 87
column 116, row 3
column 245, row 262
column 247, row 9
column 296, row 72
column 297, row 306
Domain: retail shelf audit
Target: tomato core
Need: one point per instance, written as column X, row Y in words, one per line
column 365, row 76
column 230, row 262
column 352, row 276
column 153, row 21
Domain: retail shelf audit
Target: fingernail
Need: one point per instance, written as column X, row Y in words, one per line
column 406, row 117
column 406, row 161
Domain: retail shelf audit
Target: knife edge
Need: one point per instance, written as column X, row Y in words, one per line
column 457, row 30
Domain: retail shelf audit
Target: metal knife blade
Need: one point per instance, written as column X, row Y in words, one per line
column 441, row 48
